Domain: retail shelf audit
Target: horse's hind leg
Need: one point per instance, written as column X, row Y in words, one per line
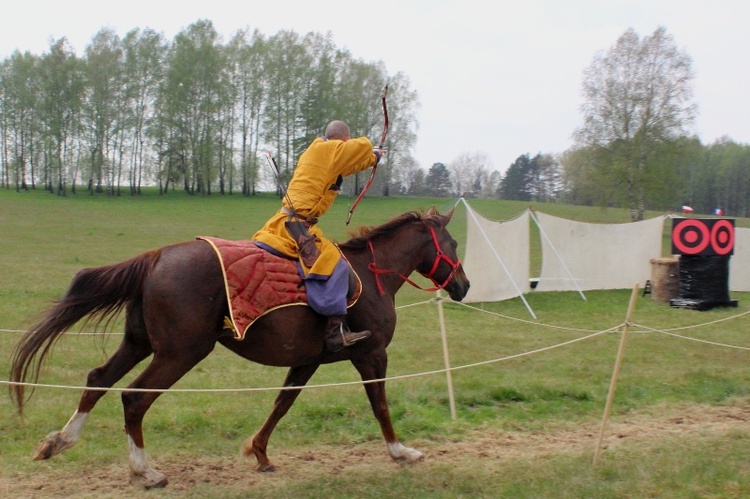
column 165, row 369
column 256, row 445
column 134, row 348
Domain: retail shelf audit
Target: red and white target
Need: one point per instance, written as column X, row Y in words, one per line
column 705, row 237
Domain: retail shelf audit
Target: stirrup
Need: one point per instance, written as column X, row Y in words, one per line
column 348, row 338
column 353, row 337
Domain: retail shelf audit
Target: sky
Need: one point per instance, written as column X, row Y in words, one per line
column 501, row 79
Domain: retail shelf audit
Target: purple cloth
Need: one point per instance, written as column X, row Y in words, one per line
column 328, row 296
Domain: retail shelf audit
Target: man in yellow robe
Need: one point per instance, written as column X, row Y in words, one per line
column 314, row 186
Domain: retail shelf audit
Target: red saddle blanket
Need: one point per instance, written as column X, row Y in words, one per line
column 257, row 282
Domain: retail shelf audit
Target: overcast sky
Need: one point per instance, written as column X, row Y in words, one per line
column 499, row 78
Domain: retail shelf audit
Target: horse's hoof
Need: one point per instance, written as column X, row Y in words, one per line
column 249, row 449
column 412, row 456
column 51, row 445
column 149, row 480
column 266, row 468
column 402, row 454
column 160, row 484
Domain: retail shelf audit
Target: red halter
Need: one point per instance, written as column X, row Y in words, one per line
column 430, row 275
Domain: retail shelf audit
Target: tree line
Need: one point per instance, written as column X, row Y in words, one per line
column 198, row 114
column 193, row 113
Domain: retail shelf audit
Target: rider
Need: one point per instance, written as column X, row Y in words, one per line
column 293, row 230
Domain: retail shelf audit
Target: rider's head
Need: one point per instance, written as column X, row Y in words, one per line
column 337, row 129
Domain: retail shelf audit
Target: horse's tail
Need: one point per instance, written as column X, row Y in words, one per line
column 96, row 295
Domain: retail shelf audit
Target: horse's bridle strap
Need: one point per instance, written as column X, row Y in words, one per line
column 373, row 267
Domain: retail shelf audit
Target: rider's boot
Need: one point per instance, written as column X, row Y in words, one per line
column 338, row 335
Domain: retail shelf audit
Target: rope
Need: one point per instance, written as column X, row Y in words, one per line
column 525, row 321
column 707, row 342
column 327, row 385
column 592, row 335
column 736, row 316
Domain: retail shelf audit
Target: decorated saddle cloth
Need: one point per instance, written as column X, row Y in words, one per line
column 257, row 281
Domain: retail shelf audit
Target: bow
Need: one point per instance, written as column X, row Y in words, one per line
column 380, row 146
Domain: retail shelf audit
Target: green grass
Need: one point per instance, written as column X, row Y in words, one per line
column 47, row 239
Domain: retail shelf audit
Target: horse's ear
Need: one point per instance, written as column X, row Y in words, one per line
column 432, row 211
column 448, row 214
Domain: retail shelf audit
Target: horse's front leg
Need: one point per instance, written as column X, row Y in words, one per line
column 257, row 444
column 373, row 366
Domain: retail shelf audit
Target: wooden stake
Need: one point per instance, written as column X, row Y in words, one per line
column 615, row 373
column 445, row 356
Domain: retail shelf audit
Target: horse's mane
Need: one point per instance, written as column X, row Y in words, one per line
column 368, row 233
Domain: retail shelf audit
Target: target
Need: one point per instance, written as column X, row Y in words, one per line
column 705, row 237
column 722, row 237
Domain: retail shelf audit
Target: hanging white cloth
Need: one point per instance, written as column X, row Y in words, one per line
column 597, row 256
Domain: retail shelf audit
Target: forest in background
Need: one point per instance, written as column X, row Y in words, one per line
column 197, row 114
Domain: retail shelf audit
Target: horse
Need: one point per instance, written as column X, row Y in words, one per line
column 175, row 305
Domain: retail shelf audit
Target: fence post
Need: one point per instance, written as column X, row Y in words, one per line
column 445, row 355
column 615, row 373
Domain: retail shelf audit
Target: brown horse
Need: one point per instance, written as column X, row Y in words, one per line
column 175, row 304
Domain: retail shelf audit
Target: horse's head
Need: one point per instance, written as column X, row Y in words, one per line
column 413, row 241
column 440, row 262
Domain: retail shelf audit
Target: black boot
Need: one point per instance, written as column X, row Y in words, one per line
column 338, row 335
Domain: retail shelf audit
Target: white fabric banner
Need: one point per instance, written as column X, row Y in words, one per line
column 497, row 257
column 597, row 256
column 739, row 262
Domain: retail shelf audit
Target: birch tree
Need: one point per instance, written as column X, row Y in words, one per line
column 637, row 96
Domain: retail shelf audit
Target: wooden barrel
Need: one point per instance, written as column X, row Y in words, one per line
column 665, row 278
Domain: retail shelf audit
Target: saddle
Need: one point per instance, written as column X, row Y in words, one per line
column 257, row 282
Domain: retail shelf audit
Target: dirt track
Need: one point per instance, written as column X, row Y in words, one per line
column 236, row 473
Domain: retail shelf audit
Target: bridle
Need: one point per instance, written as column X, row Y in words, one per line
column 440, row 256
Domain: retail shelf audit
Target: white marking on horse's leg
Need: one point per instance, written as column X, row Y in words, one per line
column 401, row 453
column 58, row 441
column 74, row 427
column 141, row 473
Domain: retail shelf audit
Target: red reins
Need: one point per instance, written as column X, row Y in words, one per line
column 440, row 256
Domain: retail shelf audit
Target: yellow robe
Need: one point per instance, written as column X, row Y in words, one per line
column 312, row 190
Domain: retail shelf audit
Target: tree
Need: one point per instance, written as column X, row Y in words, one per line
column 721, row 179
column 544, row 182
column 193, row 94
column 409, row 178
column 103, row 110
column 286, row 63
column 145, row 53
column 636, row 97
column 402, row 104
column 360, row 90
column 514, row 185
column 581, row 182
column 61, row 87
column 19, row 92
column 438, row 181
column 470, row 174
column 246, row 56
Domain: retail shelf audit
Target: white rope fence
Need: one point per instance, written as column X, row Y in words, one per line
column 591, row 335
column 682, row 337
column 327, row 385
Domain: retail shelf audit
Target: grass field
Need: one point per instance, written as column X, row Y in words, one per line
column 526, row 425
